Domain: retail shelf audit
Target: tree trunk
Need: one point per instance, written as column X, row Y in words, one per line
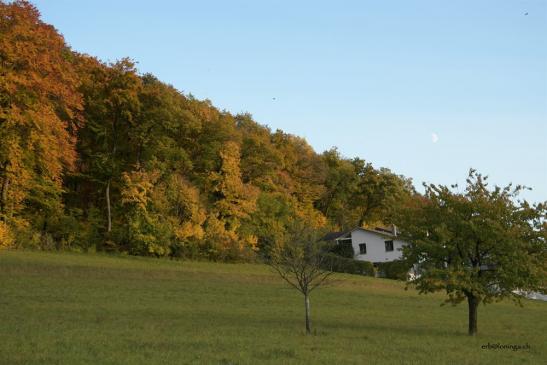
column 4, row 195
column 363, row 217
column 308, row 320
column 473, row 303
column 108, row 206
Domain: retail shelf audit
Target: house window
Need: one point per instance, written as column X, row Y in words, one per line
column 389, row 245
column 362, row 248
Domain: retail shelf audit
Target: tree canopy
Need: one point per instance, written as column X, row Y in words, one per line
column 479, row 245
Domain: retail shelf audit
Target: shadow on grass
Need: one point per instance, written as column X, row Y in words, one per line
column 228, row 321
column 390, row 328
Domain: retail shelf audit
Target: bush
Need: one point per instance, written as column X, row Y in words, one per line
column 54, row 231
column 186, row 249
column 397, row 269
column 6, row 236
column 343, row 250
column 337, row 263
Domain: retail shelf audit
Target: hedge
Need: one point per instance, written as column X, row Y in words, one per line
column 337, row 263
column 397, row 269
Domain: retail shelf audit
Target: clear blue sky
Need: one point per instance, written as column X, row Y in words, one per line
column 381, row 80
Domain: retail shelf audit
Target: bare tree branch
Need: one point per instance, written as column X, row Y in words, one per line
column 300, row 261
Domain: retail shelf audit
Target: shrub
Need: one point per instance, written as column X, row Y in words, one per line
column 186, row 249
column 6, row 236
column 337, row 263
column 397, row 269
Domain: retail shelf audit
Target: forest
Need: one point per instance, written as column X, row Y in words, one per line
column 95, row 156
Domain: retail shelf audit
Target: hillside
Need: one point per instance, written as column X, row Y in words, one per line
column 91, row 309
column 95, row 155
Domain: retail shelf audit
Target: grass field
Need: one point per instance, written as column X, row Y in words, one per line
column 92, row 309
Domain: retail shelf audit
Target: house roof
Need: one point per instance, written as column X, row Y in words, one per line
column 379, row 231
column 333, row 235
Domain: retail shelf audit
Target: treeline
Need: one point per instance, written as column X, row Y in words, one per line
column 97, row 156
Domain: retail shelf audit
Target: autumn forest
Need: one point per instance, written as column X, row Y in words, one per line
column 96, row 156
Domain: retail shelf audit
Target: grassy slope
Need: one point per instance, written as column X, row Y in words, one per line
column 90, row 309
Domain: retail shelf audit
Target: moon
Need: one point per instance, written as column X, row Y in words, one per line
column 434, row 137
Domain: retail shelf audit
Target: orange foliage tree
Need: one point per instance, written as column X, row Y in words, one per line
column 40, row 110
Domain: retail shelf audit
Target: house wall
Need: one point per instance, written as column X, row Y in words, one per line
column 376, row 248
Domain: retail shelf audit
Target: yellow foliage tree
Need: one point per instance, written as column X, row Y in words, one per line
column 180, row 200
column 235, row 201
column 6, row 237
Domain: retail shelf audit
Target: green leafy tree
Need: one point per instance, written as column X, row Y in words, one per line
column 165, row 131
column 481, row 245
column 217, row 128
column 377, row 193
column 111, row 106
column 340, row 184
column 269, row 222
column 260, row 159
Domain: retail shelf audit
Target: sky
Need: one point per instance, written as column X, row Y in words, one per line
column 427, row 89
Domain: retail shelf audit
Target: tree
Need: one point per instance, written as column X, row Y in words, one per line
column 234, row 201
column 480, row 245
column 143, row 227
column 259, row 158
column 111, row 109
column 178, row 202
column 302, row 263
column 376, row 193
column 301, row 172
column 340, row 183
column 270, row 220
column 40, row 111
column 164, row 131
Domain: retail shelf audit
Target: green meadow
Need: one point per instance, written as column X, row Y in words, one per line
column 64, row 308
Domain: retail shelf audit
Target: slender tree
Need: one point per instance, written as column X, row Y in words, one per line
column 302, row 263
column 481, row 245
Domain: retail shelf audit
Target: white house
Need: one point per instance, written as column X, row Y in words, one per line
column 373, row 245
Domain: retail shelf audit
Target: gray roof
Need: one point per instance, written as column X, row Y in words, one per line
column 335, row 235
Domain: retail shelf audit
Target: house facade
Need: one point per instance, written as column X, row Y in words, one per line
column 376, row 246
